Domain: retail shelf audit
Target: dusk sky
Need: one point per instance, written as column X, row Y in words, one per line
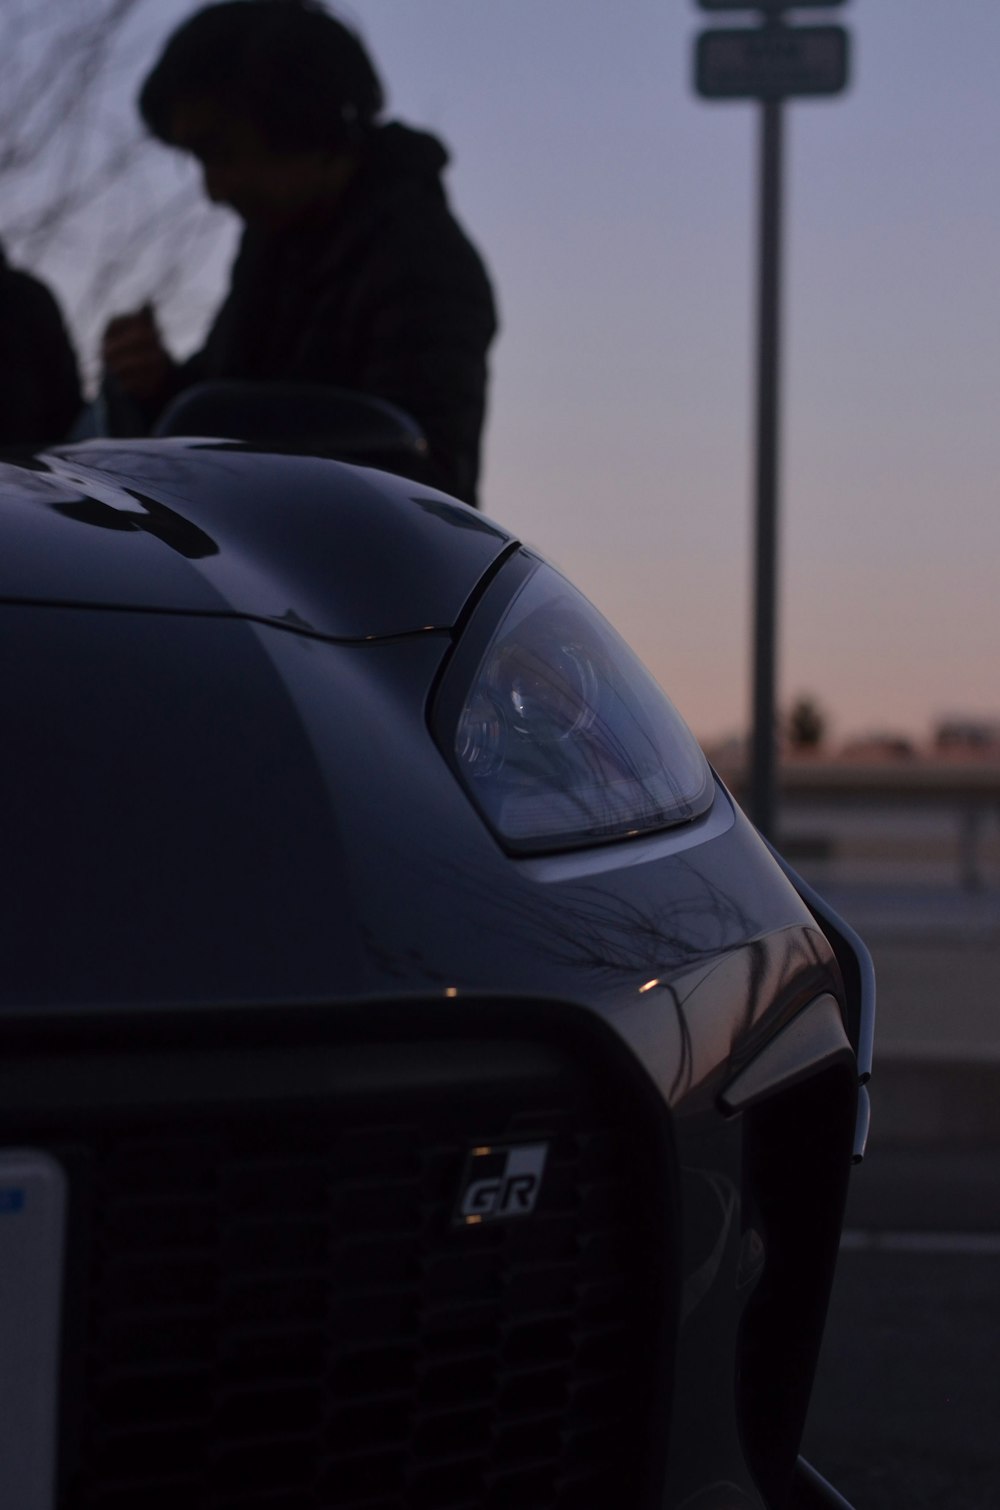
column 618, row 215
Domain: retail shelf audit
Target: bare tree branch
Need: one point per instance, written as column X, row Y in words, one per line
column 88, row 203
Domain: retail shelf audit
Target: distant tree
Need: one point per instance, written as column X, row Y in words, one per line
column 967, row 733
column 54, row 74
column 87, row 203
column 806, row 725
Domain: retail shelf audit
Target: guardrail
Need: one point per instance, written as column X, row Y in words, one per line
column 908, row 819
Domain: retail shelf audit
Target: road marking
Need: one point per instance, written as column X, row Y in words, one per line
column 981, row 1244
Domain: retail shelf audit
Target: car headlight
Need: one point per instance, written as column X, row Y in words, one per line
column 556, row 729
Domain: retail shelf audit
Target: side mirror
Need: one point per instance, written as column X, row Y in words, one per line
column 300, row 417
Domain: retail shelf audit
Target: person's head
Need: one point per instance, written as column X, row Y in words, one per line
column 272, row 97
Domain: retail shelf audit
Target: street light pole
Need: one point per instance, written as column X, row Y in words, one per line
column 770, row 62
column 763, row 777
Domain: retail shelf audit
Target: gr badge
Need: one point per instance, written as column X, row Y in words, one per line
column 500, row 1182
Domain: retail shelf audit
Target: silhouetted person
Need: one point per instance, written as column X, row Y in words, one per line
column 352, row 271
column 39, row 380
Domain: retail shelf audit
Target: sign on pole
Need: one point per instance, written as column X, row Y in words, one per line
column 770, row 62
column 770, row 7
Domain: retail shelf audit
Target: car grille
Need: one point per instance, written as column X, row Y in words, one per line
column 270, row 1302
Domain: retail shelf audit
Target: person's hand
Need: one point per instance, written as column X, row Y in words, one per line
column 135, row 356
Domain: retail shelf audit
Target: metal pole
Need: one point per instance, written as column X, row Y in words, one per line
column 764, row 739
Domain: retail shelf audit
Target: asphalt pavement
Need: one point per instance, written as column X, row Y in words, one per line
column 907, row 1401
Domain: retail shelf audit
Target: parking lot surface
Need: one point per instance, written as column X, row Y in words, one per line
column 904, row 1414
column 905, row 1411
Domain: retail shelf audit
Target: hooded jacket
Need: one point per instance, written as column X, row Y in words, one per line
column 386, row 297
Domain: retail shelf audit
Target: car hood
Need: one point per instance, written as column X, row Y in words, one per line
column 209, row 527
